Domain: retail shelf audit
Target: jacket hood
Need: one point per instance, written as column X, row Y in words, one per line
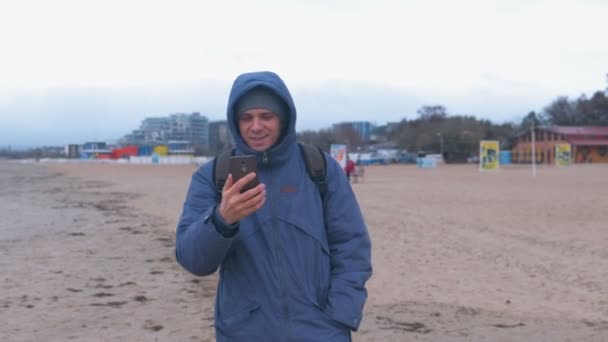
column 287, row 136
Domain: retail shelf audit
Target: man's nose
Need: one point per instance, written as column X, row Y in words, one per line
column 256, row 124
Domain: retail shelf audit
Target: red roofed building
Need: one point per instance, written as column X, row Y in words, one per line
column 589, row 144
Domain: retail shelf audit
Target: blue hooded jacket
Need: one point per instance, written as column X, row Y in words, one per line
column 293, row 270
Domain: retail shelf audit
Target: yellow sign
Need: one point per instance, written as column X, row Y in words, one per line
column 488, row 155
column 161, row 150
column 563, row 154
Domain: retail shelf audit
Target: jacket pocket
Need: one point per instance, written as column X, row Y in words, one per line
column 329, row 319
column 307, row 256
column 239, row 315
column 315, row 230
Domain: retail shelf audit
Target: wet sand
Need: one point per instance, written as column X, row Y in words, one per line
column 87, row 254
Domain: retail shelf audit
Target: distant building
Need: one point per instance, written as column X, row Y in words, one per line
column 151, row 131
column 192, row 128
column 189, row 127
column 155, row 124
column 589, row 144
column 182, row 147
column 219, row 136
column 94, row 148
column 362, row 128
column 72, row 151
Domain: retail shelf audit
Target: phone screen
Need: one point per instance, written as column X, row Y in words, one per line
column 240, row 166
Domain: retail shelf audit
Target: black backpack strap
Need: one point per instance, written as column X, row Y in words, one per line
column 221, row 169
column 316, row 166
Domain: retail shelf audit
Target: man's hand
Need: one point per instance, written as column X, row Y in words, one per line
column 236, row 205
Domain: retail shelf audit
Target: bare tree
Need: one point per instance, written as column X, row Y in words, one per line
column 433, row 113
column 347, row 135
column 322, row 138
column 561, row 112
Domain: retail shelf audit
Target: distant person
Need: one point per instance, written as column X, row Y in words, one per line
column 349, row 168
column 292, row 266
column 359, row 173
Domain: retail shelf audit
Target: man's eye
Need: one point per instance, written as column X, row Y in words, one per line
column 267, row 116
column 245, row 118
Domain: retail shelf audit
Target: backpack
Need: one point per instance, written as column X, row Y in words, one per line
column 316, row 167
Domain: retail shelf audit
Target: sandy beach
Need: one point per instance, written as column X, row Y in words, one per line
column 87, row 254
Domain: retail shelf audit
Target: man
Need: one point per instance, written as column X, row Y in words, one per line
column 291, row 267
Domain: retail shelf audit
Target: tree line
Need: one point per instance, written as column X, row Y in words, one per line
column 434, row 130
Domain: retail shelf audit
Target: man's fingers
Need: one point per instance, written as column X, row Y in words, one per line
column 228, row 183
column 244, row 206
column 238, row 185
column 246, row 199
column 255, row 207
column 235, row 187
column 237, row 205
column 249, row 194
column 253, row 204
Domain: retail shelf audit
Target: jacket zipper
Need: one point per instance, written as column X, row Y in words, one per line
column 284, row 306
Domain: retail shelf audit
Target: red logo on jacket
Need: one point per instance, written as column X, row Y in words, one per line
column 289, row 189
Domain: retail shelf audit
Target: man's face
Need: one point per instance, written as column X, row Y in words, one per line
column 260, row 128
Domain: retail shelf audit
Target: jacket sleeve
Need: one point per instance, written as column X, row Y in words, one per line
column 350, row 250
column 202, row 238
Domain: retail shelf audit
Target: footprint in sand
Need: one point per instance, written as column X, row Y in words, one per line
column 504, row 326
column 151, row 325
column 103, row 294
column 127, row 284
column 415, row 327
column 166, row 242
column 116, row 304
column 140, row 298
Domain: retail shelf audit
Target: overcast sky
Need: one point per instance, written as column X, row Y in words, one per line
column 72, row 71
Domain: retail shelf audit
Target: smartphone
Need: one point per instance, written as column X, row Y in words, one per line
column 241, row 166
